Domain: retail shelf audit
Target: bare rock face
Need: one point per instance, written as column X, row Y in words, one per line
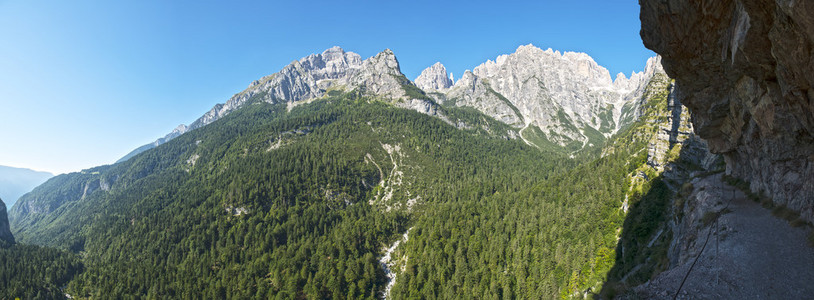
column 6, row 238
column 474, row 92
column 562, row 93
column 312, row 76
column 745, row 72
column 434, row 78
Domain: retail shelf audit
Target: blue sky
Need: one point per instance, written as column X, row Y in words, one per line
column 84, row 82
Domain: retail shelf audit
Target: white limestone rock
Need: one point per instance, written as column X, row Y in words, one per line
column 434, row 78
column 311, row 77
column 554, row 91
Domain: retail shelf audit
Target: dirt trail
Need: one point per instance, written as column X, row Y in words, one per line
column 759, row 256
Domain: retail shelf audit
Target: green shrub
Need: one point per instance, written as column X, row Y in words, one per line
column 709, row 217
column 784, row 212
column 798, row 223
column 686, row 189
column 766, row 203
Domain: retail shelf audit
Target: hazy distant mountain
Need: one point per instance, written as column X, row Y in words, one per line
column 14, row 182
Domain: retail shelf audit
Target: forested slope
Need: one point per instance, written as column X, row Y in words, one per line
column 557, row 238
column 269, row 202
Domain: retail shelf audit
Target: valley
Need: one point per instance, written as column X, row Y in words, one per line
column 534, row 175
column 317, row 189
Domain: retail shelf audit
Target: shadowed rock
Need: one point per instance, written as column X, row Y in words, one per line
column 744, row 68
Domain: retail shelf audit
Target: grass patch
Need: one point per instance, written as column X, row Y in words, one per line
column 686, row 189
column 738, row 183
column 766, row 203
column 798, row 223
column 784, row 212
column 709, row 217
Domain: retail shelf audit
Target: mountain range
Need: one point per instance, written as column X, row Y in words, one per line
column 548, row 97
column 338, row 177
column 535, row 175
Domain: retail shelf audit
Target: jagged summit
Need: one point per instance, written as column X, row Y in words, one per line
column 311, row 77
column 434, row 78
column 180, row 129
column 562, row 93
column 639, row 79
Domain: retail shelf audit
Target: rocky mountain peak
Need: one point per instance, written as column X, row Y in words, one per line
column 333, row 53
column 468, row 76
column 639, row 79
column 180, row 129
column 311, row 77
column 434, row 78
column 551, row 90
column 384, row 62
column 654, row 65
column 529, row 59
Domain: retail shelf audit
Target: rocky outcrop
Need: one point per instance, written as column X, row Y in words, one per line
column 744, row 68
column 674, row 156
column 634, row 89
column 313, row 76
column 434, row 78
column 673, row 126
column 474, row 92
column 6, row 238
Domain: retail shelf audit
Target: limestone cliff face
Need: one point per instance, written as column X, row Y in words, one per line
column 565, row 94
column 745, row 71
column 313, row 76
column 434, row 78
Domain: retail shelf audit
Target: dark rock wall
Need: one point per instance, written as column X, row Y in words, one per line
column 746, row 73
column 6, row 238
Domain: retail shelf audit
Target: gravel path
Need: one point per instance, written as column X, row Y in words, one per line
column 759, row 256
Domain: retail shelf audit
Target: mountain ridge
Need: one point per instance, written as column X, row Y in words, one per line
column 315, row 75
column 566, row 95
